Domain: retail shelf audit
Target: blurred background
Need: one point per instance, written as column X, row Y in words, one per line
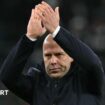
column 84, row 18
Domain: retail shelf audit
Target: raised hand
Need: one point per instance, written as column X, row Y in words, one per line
column 35, row 28
column 50, row 18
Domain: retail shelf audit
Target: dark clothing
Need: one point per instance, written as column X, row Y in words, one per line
column 81, row 86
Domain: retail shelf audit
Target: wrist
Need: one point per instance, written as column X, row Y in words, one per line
column 56, row 31
column 31, row 38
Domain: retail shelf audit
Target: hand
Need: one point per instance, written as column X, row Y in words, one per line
column 35, row 28
column 50, row 18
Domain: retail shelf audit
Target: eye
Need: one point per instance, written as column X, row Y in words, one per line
column 59, row 54
column 48, row 55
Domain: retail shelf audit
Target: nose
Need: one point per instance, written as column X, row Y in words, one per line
column 53, row 59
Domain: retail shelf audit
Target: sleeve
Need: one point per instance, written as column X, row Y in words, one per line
column 11, row 70
column 83, row 55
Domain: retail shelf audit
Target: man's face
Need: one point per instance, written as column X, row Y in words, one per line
column 57, row 62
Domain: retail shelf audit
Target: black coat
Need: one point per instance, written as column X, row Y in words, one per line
column 81, row 86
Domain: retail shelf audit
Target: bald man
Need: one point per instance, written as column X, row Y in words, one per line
column 70, row 73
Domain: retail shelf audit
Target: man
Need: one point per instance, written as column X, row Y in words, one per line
column 70, row 74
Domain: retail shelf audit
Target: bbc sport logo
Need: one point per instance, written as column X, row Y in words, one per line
column 4, row 92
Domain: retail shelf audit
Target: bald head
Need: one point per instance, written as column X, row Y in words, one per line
column 49, row 42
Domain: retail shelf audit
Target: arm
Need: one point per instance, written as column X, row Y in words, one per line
column 92, row 74
column 79, row 51
column 11, row 70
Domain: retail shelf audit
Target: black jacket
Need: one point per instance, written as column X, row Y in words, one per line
column 81, row 86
